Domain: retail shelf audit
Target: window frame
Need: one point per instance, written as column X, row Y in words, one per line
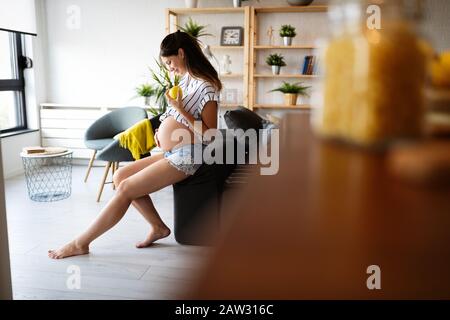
column 17, row 85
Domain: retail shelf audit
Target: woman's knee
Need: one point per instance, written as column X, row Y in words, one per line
column 119, row 176
column 124, row 190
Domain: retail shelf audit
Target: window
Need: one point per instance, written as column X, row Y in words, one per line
column 12, row 84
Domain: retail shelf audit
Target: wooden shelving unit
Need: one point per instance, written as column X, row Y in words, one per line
column 255, row 47
column 291, row 9
column 283, row 47
column 282, row 106
column 229, row 105
column 227, row 47
column 231, row 75
column 171, row 26
column 285, row 76
column 250, row 48
column 212, row 10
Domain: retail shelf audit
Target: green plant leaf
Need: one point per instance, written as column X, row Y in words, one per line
column 287, row 31
column 275, row 59
column 295, row 88
column 194, row 29
column 145, row 90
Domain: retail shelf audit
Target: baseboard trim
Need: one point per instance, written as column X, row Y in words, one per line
column 13, row 173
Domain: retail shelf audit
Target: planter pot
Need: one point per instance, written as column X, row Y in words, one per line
column 276, row 70
column 290, row 99
column 237, row 3
column 287, row 41
column 299, row 2
column 191, row 3
column 147, row 101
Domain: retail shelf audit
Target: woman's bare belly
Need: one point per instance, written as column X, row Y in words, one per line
column 165, row 130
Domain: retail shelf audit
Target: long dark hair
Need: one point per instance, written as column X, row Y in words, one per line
column 196, row 63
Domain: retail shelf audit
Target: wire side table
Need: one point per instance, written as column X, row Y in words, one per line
column 48, row 176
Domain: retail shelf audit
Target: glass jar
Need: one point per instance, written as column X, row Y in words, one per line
column 374, row 71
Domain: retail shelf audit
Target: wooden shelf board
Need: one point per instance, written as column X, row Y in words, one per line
column 282, row 106
column 205, row 10
column 230, row 105
column 291, row 9
column 231, row 75
column 286, row 76
column 226, row 47
column 283, row 47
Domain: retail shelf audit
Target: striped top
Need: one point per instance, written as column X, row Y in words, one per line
column 196, row 93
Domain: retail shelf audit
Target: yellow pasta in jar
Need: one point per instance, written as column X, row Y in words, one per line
column 373, row 90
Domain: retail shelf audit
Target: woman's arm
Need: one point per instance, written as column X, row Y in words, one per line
column 209, row 114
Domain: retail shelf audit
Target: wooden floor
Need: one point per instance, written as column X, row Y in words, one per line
column 114, row 269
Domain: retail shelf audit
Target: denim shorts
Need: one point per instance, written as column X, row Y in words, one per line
column 182, row 158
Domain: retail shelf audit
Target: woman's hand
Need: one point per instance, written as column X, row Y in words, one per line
column 156, row 139
column 176, row 103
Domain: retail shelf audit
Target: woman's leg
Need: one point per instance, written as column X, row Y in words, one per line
column 153, row 178
column 144, row 204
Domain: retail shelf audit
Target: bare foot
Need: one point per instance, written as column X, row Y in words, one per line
column 154, row 235
column 69, row 250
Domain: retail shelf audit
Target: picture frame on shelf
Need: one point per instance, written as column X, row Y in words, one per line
column 229, row 96
column 232, row 36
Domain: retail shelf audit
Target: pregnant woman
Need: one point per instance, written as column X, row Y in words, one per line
column 200, row 91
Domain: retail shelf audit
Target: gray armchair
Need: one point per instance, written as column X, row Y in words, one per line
column 99, row 137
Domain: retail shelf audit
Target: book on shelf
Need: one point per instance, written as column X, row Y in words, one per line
column 309, row 65
column 316, row 66
column 305, row 64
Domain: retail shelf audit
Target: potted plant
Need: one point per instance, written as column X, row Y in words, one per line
column 147, row 91
column 287, row 32
column 194, row 29
column 163, row 83
column 291, row 92
column 275, row 60
column 191, row 3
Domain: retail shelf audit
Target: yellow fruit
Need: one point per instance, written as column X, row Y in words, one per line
column 174, row 91
column 440, row 70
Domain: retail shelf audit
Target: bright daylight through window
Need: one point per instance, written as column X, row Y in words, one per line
column 12, row 102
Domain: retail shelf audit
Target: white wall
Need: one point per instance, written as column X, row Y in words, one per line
column 107, row 57
column 12, row 147
column 103, row 60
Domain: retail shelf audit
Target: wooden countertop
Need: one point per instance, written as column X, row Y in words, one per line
column 312, row 230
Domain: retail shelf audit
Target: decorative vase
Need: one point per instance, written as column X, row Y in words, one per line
column 299, row 2
column 191, row 3
column 237, row 3
column 290, row 99
column 147, row 101
column 226, row 64
column 287, row 41
column 276, row 70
